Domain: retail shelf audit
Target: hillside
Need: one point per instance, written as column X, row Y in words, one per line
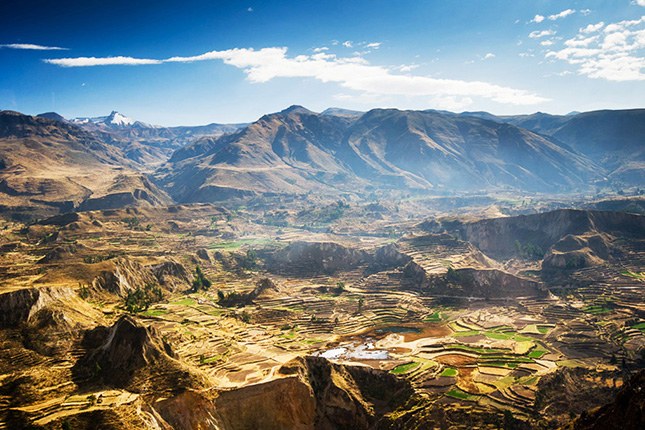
column 449, row 152
column 291, row 152
column 47, row 166
column 144, row 143
column 296, row 151
column 612, row 139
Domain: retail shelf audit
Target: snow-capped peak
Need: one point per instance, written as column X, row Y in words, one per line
column 116, row 118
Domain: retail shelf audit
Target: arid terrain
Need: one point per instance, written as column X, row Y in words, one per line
column 270, row 278
column 446, row 322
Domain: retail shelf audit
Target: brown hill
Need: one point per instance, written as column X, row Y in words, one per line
column 439, row 150
column 626, row 412
column 143, row 143
column 289, row 153
column 612, row 139
column 47, row 166
column 499, row 236
column 297, row 151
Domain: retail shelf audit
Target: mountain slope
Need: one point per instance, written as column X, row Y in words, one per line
column 296, row 151
column 144, row 143
column 460, row 152
column 291, row 152
column 613, row 139
column 49, row 166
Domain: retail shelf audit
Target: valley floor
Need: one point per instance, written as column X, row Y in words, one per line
column 464, row 331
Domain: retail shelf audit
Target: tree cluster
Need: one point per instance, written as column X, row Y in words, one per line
column 529, row 251
column 200, row 282
column 139, row 300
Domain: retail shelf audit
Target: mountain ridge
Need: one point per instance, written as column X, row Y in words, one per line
column 389, row 147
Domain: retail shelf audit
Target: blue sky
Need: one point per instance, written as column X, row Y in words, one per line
column 196, row 62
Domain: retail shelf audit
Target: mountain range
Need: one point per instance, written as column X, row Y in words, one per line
column 52, row 166
column 143, row 143
column 296, row 151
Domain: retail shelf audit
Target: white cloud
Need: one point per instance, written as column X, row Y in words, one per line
column 33, row 47
column 592, row 28
column 250, row 9
column 104, row 61
column 406, row 67
column 321, row 49
column 615, row 54
column 526, row 54
column 546, row 43
column 537, row 34
column 363, row 98
column 374, row 45
column 353, row 73
column 581, row 41
column 585, row 11
column 489, row 55
column 347, row 44
column 562, row 14
column 450, row 103
column 538, row 19
column 640, row 2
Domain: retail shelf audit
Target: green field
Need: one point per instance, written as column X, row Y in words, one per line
column 633, row 275
column 465, row 333
column 185, row 302
column 403, row 368
column 520, row 338
column 154, row 312
column 596, row 309
column 458, row 394
column 435, row 317
column 499, row 336
column 449, row 372
column 537, row 354
column 478, row 350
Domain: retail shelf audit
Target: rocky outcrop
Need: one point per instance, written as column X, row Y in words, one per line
column 626, row 412
column 474, row 283
column 61, row 253
column 496, row 284
column 309, row 393
column 20, row 306
column 127, row 275
column 188, row 410
column 61, row 220
column 285, row 403
column 575, row 389
column 389, row 257
column 126, row 352
column 316, row 257
column 171, row 274
column 572, row 252
column 499, row 236
column 114, row 201
column 345, row 395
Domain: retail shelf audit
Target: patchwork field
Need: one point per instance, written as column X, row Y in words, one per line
column 236, row 301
